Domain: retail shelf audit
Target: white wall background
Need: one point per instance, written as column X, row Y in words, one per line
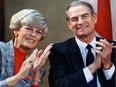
column 113, row 10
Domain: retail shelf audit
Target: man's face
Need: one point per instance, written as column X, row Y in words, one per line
column 27, row 37
column 81, row 22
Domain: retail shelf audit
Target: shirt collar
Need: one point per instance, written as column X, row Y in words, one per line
column 83, row 45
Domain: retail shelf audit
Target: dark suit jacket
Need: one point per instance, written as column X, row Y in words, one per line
column 66, row 66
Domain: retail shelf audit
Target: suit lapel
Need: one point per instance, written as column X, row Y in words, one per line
column 75, row 56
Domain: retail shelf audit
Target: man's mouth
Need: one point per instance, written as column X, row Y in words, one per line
column 82, row 27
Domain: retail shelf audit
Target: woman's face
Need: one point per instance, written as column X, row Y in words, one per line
column 27, row 37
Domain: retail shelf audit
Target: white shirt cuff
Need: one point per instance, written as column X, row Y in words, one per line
column 87, row 74
column 109, row 73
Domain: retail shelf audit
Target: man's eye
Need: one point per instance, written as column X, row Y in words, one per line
column 85, row 16
column 74, row 19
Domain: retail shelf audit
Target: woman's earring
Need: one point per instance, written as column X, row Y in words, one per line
column 16, row 34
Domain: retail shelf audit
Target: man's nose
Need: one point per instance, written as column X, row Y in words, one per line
column 80, row 20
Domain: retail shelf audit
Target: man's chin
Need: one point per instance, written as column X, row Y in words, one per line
column 83, row 35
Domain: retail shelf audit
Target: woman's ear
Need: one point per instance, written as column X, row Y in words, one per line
column 15, row 33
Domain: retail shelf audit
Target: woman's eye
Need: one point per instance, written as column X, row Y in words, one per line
column 39, row 32
column 28, row 28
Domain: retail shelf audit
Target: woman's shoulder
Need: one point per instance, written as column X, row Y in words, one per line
column 6, row 45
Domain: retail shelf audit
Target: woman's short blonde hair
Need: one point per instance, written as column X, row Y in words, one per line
column 29, row 17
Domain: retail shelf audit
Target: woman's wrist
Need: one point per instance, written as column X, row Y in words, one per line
column 36, row 78
column 11, row 81
column 36, row 81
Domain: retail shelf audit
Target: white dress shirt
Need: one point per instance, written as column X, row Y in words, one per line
column 82, row 46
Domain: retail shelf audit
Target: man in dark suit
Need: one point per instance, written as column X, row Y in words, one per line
column 68, row 66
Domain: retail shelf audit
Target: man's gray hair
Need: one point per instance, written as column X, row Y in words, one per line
column 77, row 3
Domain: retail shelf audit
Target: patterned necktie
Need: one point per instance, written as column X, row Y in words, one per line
column 89, row 60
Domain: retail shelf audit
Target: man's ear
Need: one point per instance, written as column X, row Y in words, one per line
column 95, row 18
column 69, row 25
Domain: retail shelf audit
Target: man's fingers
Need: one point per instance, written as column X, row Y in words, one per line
column 112, row 45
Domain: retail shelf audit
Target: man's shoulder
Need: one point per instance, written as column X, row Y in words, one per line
column 64, row 43
column 63, row 46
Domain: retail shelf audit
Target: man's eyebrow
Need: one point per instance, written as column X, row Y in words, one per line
column 85, row 14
